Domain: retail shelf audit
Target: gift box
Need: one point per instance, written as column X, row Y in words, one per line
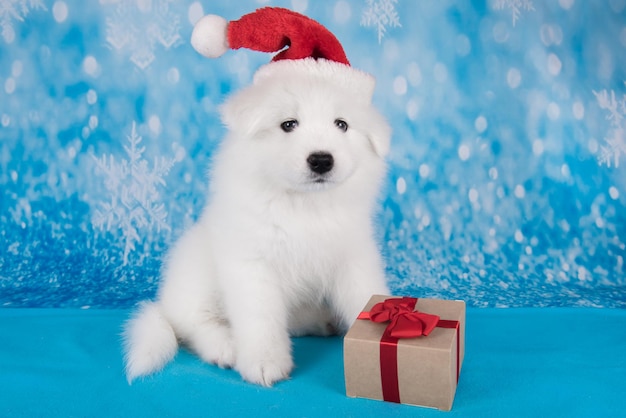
column 406, row 350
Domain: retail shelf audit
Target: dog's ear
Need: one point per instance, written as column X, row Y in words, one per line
column 378, row 133
column 241, row 112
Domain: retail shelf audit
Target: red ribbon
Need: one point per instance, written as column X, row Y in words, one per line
column 404, row 322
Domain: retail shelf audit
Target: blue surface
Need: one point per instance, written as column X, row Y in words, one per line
column 519, row 362
column 507, row 180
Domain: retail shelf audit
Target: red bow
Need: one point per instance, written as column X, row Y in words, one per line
column 405, row 322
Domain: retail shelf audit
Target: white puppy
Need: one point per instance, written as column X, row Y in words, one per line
column 285, row 244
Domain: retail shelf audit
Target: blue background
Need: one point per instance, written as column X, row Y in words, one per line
column 507, row 180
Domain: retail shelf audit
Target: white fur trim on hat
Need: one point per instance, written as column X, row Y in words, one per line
column 209, row 36
column 359, row 83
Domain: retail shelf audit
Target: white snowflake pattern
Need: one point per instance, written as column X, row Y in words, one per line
column 615, row 142
column 380, row 14
column 134, row 193
column 138, row 26
column 11, row 10
column 517, row 7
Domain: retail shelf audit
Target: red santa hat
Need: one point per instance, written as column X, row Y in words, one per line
column 304, row 44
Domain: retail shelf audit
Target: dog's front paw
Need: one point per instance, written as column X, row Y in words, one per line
column 225, row 357
column 214, row 344
column 219, row 352
column 264, row 370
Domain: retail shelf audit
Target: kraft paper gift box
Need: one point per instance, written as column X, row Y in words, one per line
column 387, row 361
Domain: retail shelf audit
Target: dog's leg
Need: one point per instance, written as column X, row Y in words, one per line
column 210, row 338
column 258, row 318
column 192, row 303
column 361, row 278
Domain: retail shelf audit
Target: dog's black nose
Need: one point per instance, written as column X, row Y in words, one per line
column 320, row 162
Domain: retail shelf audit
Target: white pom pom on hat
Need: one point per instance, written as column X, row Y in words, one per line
column 210, row 37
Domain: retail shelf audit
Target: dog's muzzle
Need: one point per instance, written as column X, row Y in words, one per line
column 320, row 162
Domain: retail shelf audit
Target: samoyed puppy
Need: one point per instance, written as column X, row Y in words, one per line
column 285, row 245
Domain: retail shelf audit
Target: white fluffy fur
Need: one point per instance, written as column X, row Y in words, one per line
column 274, row 253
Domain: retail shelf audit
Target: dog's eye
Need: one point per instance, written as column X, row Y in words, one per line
column 341, row 124
column 289, row 125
